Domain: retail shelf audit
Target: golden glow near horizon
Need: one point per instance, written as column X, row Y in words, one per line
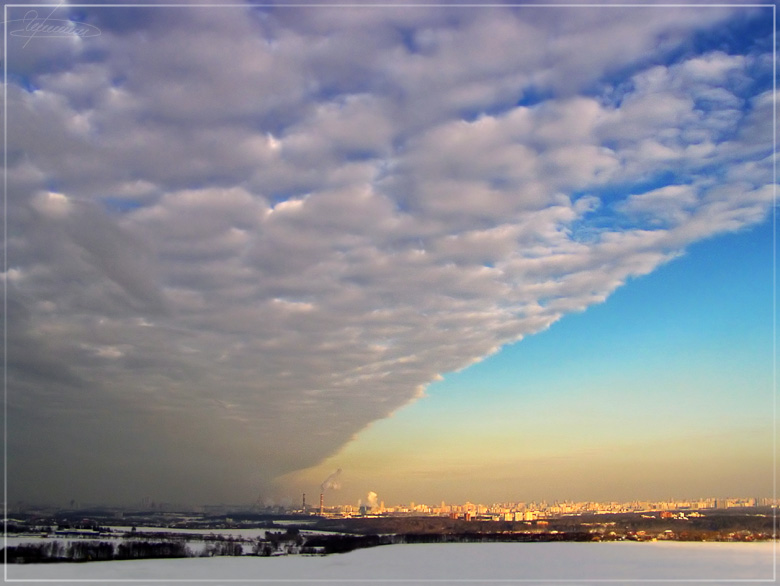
column 537, row 458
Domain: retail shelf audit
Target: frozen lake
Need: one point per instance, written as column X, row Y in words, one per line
column 474, row 563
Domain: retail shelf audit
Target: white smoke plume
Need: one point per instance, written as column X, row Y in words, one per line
column 371, row 500
column 331, row 481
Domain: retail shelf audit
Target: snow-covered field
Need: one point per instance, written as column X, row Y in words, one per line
column 483, row 563
column 194, row 541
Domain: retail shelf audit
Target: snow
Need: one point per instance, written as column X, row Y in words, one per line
column 13, row 541
column 475, row 563
column 197, row 540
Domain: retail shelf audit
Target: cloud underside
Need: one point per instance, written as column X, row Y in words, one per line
column 237, row 237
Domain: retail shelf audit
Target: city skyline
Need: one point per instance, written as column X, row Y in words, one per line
column 372, row 503
column 471, row 252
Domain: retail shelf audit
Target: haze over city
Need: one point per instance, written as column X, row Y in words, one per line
column 486, row 253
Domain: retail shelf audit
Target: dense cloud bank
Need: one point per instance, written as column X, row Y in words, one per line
column 238, row 236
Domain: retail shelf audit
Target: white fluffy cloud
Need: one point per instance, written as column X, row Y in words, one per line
column 239, row 236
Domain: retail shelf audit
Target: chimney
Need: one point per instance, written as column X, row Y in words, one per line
column 322, row 504
column 303, row 506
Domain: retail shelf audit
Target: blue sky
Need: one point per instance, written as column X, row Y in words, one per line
column 684, row 353
column 701, row 311
column 248, row 246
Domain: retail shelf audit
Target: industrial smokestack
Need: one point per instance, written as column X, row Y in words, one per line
column 331, row 482
column 303, row 506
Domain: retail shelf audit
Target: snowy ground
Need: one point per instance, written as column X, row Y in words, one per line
column 119, row 534
column 196, row 546
column 488, row 563
column 193, row 541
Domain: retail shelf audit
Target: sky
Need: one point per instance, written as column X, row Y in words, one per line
column 486, row 253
